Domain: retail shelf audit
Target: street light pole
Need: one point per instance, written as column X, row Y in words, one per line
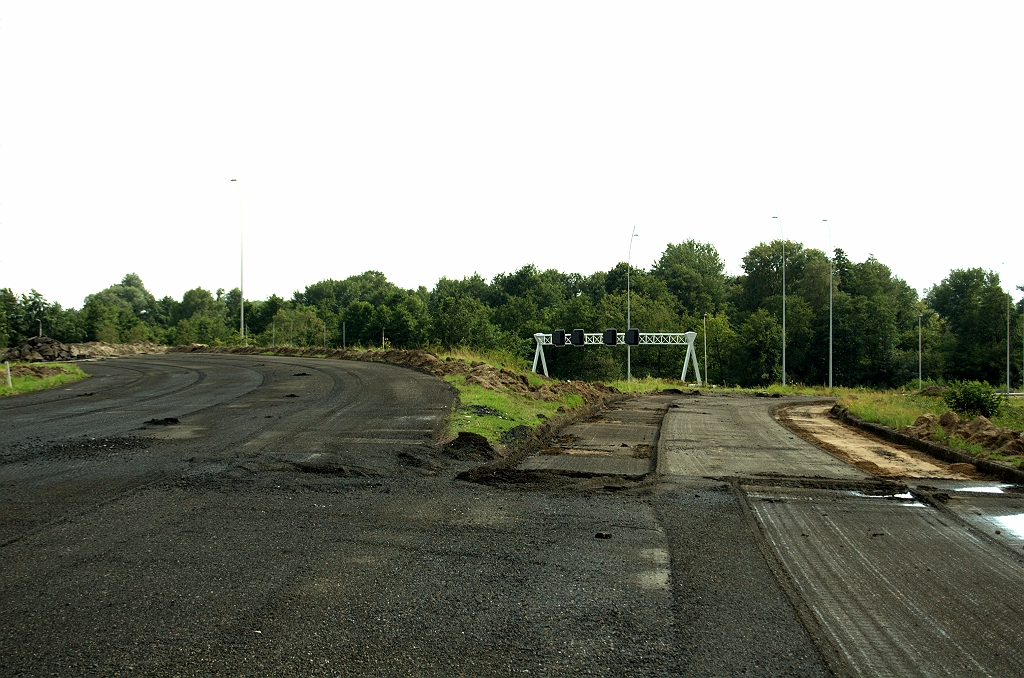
column 829, row 304
column 629, row 320
column 783, row 300
column 241, row 267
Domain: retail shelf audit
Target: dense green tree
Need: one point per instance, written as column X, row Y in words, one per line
column 761, row 335
column 461, row 321
column 130, row 293
column 974, row 308
column 694, row 274
column 9, row 310
column 724, row 359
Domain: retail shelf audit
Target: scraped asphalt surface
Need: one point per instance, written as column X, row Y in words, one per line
column 301, row 519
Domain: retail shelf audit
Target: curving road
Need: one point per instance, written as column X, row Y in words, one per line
column 65, row 450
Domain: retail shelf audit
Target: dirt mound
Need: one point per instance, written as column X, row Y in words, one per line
column 979, row 430
column 101, row 349
column 45, row 349
column 470, row 446
column 41, row 349
column 504, row 379
column 38, row 371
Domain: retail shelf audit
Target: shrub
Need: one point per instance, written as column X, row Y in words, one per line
column 973, row 398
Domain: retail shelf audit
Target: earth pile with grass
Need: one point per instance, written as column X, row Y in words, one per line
column 979, row 436
column 927, row 415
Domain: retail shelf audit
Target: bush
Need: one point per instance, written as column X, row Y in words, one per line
column 973, row 398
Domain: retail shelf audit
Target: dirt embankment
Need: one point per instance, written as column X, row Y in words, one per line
column 45, row 349
column 863, row 450
column 927, row 433
column 980, row 431
column 476, row 373
column 37, row 371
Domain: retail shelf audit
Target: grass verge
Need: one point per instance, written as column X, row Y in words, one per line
column 896, row 410
column 34, row 381
column 491, row 413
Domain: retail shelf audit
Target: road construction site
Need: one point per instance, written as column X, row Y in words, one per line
column 192, row 514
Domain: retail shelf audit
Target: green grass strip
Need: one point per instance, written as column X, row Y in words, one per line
column 508, row 409
column 30, row 383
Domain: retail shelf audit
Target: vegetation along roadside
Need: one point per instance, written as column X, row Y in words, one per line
column 929, row 415
column 28, row 377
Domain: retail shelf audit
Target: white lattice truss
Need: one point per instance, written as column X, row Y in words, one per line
column 646, row 339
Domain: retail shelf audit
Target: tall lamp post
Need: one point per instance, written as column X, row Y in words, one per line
column 241, row 268
column 829, row 304
column 783, row 300
column 629, row 321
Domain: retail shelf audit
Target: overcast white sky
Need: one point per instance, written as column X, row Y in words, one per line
column 435, row 139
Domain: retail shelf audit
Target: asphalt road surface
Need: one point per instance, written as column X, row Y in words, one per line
column 299, row 519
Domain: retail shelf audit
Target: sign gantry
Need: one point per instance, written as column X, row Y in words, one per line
column 612, row 337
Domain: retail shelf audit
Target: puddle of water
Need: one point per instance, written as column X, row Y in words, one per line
column 987, row 489
column 1014, row 523
column 903, row 498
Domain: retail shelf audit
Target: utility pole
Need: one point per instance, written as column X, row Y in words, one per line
column 783, row 300
column 241, row 267
column 920, row 346
column 830, row 262
column 629, row 322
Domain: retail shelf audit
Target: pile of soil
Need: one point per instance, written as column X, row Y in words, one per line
column 504, row 379
column 37, row 371
column 45, row 349
column 470, row 446
column 979, row 430
column 101, row 349
column 41, row 349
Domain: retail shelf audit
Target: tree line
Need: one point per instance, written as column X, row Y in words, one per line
column 876, row 317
